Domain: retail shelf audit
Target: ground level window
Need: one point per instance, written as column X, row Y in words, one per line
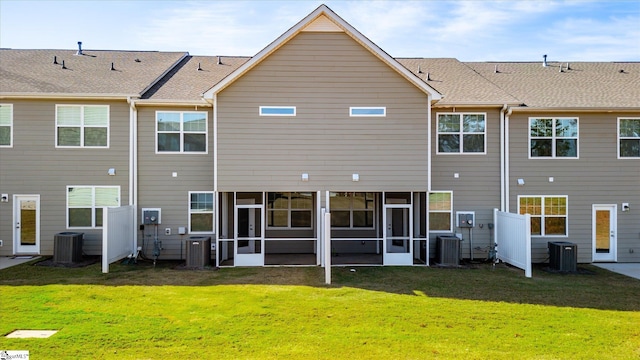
column 200, row 212
column 548, row 214
column 85, row 204
column 440, row 211
column 352, row 209
column 290, row 210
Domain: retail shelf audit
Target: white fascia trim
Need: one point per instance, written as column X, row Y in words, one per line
column 574, row 109
column 323, row 10
column 84, row 96
column 153, row 102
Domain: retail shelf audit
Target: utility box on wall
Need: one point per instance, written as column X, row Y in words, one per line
column 151, row 216
column 563, row 256
column 465, row 219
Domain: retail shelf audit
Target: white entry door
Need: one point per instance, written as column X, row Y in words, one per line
column 26, row 224
column 249, row 249
column 604, row 233
column 398, row 243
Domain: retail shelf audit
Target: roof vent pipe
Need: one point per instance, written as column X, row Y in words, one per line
column 64, row 67
column 568, row 68
column 112, row 68
column 79, row 48
column 495, row 70
column 560, row 68
column 419, row 70
column 219, row 60
column 55, row 60
column 428, row 77
column 199, row 68
column 544, row 60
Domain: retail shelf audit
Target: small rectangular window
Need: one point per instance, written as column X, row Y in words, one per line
column 82, row 126
column 277, row 111
column 6, row 125
column 200, row 212
column 629, row 138
column 549, row 214
column 367, row 111
column 85, row 204
column 440, row 211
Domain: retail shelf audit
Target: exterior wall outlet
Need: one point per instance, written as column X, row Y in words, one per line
column 4, row 198
column 1, row 243
column 167, row 231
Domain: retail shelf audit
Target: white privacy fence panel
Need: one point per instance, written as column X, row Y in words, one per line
column 117, row 230
column 513, row 236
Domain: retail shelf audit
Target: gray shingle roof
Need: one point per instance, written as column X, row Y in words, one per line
column 34, row 71
column 584, row 85
column 457, row 82
column 186, row 82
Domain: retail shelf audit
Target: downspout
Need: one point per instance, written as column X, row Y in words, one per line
column 216, row 195
column 507, row 175
column 429, row 160
column 502, row 157
column 133, row 169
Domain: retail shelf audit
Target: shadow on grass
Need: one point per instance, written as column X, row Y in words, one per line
column 591, row 288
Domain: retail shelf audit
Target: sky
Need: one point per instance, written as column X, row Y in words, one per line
column 477, row 30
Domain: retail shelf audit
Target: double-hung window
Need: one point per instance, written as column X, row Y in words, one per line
column 462, row 133
column 181, row 132
column 292, row 210
column 548, row 214
column 6, row 125
column 440, row 211
column 352, row 209
column 82, row 126
column 200, row 212
column 553, row 137
column 629, row 138
column 85, row 204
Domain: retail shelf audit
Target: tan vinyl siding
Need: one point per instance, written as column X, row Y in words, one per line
column 35, row 166
column 322, row 75
column 159, row 189
column 597, row 177
column 478, row 186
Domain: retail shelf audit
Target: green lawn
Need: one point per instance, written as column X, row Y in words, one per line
column 138, row 312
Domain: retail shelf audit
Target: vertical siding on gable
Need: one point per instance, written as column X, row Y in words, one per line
column 596, row 177
column 322, row 74
column 35, row 166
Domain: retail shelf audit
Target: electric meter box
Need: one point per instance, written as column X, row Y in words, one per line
column 466, row 219
column 151, row 216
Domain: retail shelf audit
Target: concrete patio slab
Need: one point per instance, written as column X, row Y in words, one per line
column 628, row 269
column 9, row 261
column 23, row 334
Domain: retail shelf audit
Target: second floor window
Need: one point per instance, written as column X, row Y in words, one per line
column 461, row 133
column 181, row 132
column 82, row 126
column 6, row 125
column 629, row 138
column 553, row 137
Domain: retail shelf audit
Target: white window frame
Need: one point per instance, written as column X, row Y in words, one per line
column 82, row 127
column 553, row 138
column 626, row 137
column 461, row 134
column 93, row 205
column 182, row 132
column 10, row 125
column 351, row 210
column 543, row 216
column 289, row 210
column 354, row 109
column 191, row 211
column 450, row 211
column 287, row 108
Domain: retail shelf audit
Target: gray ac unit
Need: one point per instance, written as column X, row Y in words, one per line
column 563, row 256
column 198, row 251
column 447, row 250
column 67, row 247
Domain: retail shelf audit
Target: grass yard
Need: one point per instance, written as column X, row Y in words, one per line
column 141, row 312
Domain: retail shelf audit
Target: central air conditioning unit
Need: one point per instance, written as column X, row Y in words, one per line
column 67, row 247
column 448, row 250
column 198, row 251
column 563, row 256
